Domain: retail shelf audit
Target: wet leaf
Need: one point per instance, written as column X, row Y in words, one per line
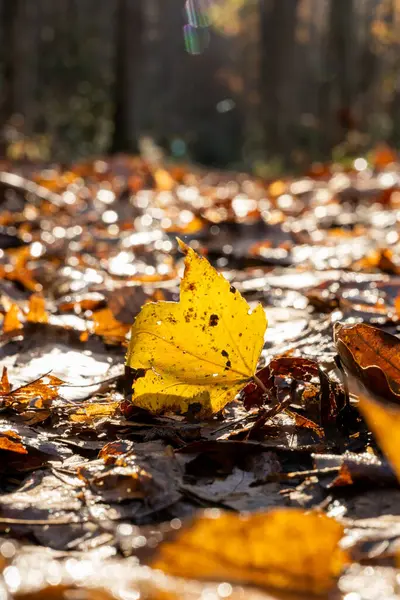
column 199, row 351
column 371, row 355
column 287, row 549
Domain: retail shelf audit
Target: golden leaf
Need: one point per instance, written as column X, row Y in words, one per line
column 200, row 350
column 288, row 549
column 107, row 326
column 383, row 420
column 12, row 319
column 37, row 310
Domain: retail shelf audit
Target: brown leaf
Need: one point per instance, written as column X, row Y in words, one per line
column 372, row 356
column 288, row 549
column 321, row 402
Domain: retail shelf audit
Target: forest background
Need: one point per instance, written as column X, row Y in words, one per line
column 256, row 85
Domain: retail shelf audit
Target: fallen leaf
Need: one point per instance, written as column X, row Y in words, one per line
column 12, row 319
column 372, row 356
column 5, row 386
column 107, row 326
column 383, row 419
column 320, row 401
column 37, row 310
column 33, row 399
column 11, row 441
column 289, row 549
column 199, row 351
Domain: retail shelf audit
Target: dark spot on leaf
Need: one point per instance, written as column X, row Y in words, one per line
column 225, row 353
column 192, row 286
column 228, row 365
column 232, row 289
column 213, row 320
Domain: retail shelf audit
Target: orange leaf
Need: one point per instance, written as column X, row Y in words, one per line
column 12, row 321
column 288, row 549
column 11, row 441
column 5, row 386
column 37, row 310
column 107, row 326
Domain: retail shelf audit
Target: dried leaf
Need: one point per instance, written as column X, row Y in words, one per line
column 199, row 351
column 11, row 441
column 5, row 386
column 37, row 310
column 287, row 549
column 371, row 355
column 33, row 398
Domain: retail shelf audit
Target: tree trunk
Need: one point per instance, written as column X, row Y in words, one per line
column 278, row 27
column 128, row 58
column 9, row 42
column 339, row 110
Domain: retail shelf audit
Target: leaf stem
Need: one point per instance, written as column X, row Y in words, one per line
column 260, row 384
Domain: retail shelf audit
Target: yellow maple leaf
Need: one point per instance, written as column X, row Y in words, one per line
column 289, row 549
column 199, row 351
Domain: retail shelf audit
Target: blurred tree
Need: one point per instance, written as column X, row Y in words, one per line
column 9, row 42
column 128, row 59
column 339, row 109
column 278, row 28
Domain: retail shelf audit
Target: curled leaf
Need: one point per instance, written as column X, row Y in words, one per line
column 372, row 356
column 199, row 352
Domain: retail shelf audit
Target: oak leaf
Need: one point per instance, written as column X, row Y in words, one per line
column 198, row 352
column 289, row 549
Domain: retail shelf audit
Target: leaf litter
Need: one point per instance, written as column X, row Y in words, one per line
column 150, row 480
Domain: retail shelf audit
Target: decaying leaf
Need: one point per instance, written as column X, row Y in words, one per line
column 200, row 351
column 320, row 398
column 288, row 549
column 11, row 441
column 371, row 355
column 33, row 399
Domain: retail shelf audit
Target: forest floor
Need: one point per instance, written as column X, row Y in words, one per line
column 279, row 494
